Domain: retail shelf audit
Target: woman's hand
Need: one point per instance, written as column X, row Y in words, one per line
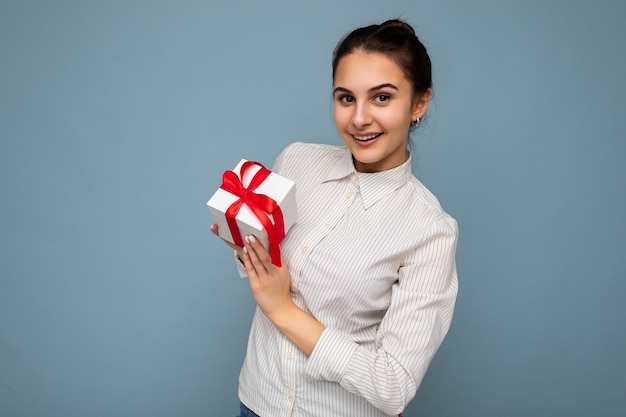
column 269, row 283
column 271, row 288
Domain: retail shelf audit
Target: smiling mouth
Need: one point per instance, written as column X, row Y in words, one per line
column 366, row 138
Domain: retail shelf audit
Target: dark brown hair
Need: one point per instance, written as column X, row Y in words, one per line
column 397, row 40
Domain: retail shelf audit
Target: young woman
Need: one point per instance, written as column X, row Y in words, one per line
column 349, row 323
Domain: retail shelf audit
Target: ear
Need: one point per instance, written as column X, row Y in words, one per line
column 420, row 105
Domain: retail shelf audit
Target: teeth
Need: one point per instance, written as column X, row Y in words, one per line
column 370, row 137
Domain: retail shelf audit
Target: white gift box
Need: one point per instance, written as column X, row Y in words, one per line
column 280, row 189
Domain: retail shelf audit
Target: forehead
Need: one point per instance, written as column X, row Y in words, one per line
column 367, row 69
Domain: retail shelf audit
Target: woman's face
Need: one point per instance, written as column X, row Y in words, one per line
column 373, row 109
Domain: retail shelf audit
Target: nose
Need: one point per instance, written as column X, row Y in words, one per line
column 361, row 116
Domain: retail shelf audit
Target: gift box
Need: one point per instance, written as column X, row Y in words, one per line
column 253, row 200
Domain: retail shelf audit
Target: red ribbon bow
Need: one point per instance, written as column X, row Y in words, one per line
column 260, row 204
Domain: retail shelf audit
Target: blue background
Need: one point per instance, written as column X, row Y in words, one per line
column 117, row 119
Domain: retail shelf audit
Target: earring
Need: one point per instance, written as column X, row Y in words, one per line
column 415, row 122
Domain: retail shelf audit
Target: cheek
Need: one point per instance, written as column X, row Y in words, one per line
column 393, row 120
column 403, row 119
column 340, row 115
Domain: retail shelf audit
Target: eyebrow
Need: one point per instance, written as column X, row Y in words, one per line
column 375, row 88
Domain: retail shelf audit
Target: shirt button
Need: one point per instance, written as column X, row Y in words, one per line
column 355, row 177
column 289, row 355
column 349, row 195
column 290, row 394
column 304, row 249
column 328, row 224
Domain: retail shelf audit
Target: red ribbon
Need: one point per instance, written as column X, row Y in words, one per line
column 260, row 204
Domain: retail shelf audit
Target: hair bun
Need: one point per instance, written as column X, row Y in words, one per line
column 398, row 24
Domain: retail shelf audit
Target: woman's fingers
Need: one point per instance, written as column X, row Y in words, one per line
column 260, row 251
column 256, row 259
column 257, row 254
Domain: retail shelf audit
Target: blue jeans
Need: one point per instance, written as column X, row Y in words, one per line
column 246, row 412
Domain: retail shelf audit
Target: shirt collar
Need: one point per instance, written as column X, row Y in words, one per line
column 373, row 186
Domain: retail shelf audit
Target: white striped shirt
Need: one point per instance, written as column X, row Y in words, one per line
column 371, row 257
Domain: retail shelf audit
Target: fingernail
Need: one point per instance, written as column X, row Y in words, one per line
column 245, row 250
column 246, row 238
column 251, row 239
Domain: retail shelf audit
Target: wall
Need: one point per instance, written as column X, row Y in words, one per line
column 117, row 119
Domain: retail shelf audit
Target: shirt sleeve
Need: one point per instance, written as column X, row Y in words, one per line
column 413, row 328
column 282, row 160
column 240, row 266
